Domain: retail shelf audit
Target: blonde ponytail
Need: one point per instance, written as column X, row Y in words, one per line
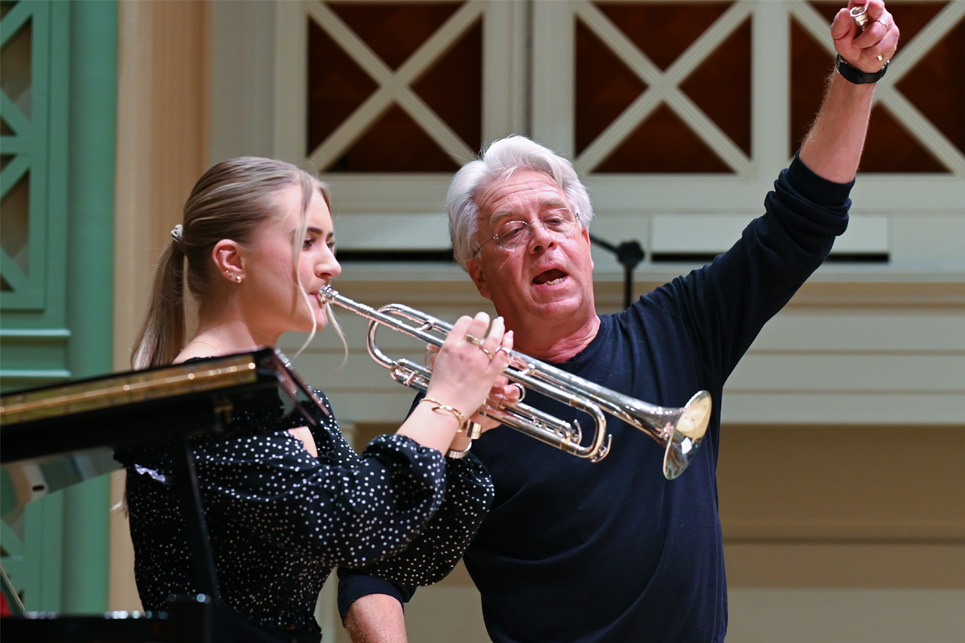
column 161, row 337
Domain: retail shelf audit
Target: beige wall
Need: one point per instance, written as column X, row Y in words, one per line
column 832, row 533
column 835, row 529
column 161, row 151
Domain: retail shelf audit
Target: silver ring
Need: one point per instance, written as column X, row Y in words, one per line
column 504, row 350
column 474, row 340
column 859, row 16
column 522, row 390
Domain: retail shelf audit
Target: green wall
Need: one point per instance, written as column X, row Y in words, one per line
column 56, row 264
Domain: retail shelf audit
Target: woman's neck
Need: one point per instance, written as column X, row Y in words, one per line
column 212, row 340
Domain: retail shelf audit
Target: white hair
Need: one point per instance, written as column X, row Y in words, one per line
column 499, row 161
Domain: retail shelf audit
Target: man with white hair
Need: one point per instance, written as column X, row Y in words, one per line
column 612, row 551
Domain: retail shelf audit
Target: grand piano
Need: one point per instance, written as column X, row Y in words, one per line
column 60, row 435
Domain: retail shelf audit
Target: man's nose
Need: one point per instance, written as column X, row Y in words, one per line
column 539, row 236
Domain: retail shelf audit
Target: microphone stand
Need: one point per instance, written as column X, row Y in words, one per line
column 628, row 253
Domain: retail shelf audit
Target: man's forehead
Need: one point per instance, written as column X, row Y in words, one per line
column 520, row 190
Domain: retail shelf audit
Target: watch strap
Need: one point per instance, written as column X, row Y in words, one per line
column 855, row 75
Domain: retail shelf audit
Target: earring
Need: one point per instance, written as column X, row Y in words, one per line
column 236, row 278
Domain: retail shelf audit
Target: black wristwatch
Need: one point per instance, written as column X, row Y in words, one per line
column 855, row 75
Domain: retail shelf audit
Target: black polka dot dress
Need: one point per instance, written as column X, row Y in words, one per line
column 279, row 519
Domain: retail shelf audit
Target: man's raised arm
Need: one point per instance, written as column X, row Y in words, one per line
column 832, row 149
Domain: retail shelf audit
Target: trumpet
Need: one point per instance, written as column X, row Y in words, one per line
column 679, row 431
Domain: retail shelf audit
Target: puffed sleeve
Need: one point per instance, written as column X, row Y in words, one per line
column 435, row 552
column 339, row 512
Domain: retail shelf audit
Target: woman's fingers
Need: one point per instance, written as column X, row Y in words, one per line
column 492, row 340
column 472, row 356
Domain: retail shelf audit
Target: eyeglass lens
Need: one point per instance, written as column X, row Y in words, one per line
column 559, row 223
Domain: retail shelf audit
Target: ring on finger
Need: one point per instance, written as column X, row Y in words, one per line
column 472, row 339
column 521, row 388
column 488, row 354
column 503, row 349
column 859, row 15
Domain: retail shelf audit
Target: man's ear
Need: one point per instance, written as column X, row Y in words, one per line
column 586, row 235
column 227, row 259
column 474, row 268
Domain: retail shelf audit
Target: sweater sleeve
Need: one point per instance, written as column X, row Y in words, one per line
column 353, row 584
column 726, row 303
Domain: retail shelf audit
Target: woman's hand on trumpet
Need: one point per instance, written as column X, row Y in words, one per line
column 466, row 370
column 503, row 393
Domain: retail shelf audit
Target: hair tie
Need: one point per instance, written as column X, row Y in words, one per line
column 178, row 234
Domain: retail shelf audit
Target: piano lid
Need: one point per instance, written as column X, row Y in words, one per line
column 59, row 435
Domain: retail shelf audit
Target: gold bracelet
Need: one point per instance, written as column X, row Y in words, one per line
column 456, row 413
column 458, row 455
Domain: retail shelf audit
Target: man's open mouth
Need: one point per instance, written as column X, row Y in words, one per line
column 550, row 277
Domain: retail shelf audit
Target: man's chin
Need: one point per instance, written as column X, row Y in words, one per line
column 557, row 307
column 564, row 290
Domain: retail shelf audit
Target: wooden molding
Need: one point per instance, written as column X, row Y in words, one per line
column 162, row 132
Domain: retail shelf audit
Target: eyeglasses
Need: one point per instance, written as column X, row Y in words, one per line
column 511, row 235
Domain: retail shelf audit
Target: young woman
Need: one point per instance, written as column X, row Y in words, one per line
column 284, row 508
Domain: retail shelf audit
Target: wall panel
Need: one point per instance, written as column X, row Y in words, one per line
column 162, row 143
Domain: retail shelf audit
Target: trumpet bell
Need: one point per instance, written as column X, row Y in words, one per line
column 687, row 434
